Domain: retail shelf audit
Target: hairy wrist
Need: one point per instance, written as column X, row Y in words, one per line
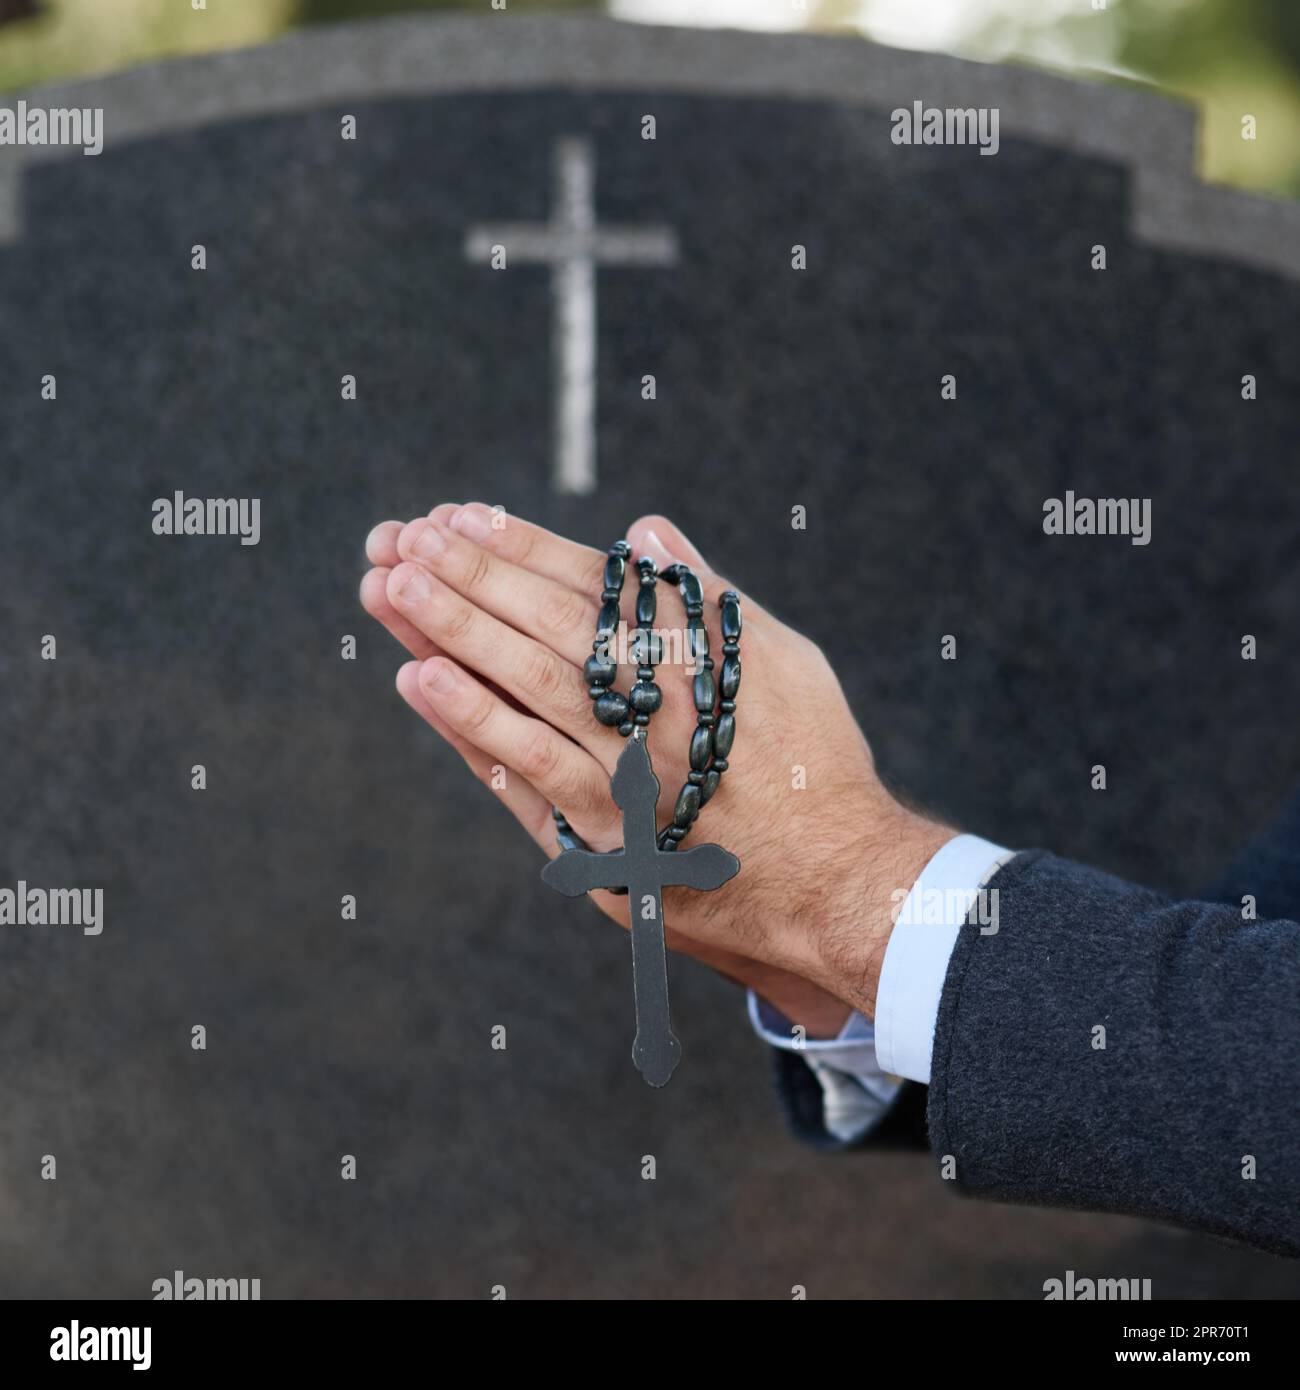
column 876, row 875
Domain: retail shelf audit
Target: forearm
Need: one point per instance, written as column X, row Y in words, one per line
column 1111, row 1050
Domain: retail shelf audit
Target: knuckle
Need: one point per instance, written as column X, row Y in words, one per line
column 455, row 621
column 478, row 566
column 525, row 543
column 542, row 675
column 539, row 756
column 561, row 612
column 593, row 577
column 571, row 702
column 478, row 714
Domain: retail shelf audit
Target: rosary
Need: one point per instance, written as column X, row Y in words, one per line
column 650, row 861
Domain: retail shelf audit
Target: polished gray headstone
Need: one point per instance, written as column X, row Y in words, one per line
column 775, row 389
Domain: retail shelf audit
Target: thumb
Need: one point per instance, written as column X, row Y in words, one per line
column 665, row 544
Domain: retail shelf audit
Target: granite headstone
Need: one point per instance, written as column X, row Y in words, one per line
column 799, row 285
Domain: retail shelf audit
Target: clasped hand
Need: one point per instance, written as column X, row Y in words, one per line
column 499, row 616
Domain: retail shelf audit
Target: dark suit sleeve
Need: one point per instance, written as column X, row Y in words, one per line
column 1268, row 869
column 1189, row 1112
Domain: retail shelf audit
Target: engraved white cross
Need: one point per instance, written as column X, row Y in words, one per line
column 573, row 244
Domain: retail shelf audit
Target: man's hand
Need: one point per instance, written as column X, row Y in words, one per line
column 501, row 614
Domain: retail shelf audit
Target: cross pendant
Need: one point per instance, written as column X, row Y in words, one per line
column 644, row 870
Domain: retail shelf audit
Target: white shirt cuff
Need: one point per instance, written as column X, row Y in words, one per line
column 921, row 944
column 855, row 1092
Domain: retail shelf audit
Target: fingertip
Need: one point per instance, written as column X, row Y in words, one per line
column 381, row 543
column 439, row 677
column 474, row 520
column 374, row 591
column 408, row 675
column 410, row 686
column 408, row 535
column 406, row 585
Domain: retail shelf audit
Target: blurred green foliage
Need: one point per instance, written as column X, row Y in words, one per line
column 327, row 11
column 1232, row 58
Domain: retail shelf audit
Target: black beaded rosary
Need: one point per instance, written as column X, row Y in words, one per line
column 642, row 868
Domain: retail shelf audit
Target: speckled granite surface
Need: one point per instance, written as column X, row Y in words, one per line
column 775, row 389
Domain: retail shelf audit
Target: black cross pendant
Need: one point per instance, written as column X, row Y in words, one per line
column 644, row 870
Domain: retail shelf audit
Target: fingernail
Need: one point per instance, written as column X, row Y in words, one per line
column 474, row 521
column 657, row 550
column 441, row 676
column 412, row 585
column 430, row 542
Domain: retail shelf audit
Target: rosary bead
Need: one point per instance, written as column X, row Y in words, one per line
column 611, row 708
column 714, row 734
column 689, row 588
column 599, row 669
column 645, row 605
column 646, row 697
column 704, row 692
column 701, row 746
column 723, row 736
column 646, row 648
column 608, row 621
